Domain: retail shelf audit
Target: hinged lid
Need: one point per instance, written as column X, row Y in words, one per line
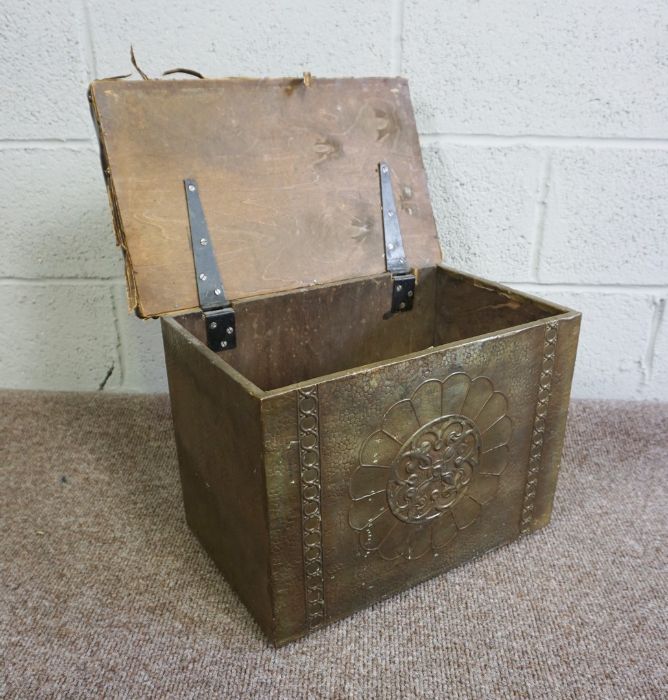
column 287, row 176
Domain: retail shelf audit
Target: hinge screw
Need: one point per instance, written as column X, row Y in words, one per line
column 191, row 188
column 410, row 293
column 203, row 277
column 399, row 288
column 383, row 169
column 229, row 330
column 213, row 325
column 223, row 343
column 217, row 292
column 402, row 305
column 390, row 213
column 203, row 241
column 390, row 246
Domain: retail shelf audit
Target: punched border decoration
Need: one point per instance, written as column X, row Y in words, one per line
column 538, row 433
column 309, row 465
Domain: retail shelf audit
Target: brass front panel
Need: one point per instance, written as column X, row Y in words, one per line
column 424, row 463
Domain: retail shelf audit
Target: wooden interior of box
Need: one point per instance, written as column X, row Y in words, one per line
column 296, row 336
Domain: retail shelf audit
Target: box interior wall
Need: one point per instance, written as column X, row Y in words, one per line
column 298, row 336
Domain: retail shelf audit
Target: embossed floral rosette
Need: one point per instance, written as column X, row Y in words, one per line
column 433, row 464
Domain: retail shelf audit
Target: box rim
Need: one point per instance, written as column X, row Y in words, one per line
column 562, row 312
column 360, row 369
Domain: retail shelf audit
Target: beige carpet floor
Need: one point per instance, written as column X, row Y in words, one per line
column 105, row 593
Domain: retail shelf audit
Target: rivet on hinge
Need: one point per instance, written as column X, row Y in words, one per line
column 219, row 316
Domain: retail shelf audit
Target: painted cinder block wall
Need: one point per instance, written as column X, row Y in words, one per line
column 544, row 127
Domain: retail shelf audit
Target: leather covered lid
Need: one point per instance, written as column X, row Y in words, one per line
column 287, row 175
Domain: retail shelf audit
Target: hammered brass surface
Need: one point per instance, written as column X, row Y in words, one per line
column 401, row 553
column 282, row 474
column 477, row 423
column 219, row 443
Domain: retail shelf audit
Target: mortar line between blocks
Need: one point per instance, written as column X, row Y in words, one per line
column 77, row 144
column 397, row 24
column 58, row 281
column 549, row 287
column 88, row 41
column 657, row 318
column 529, row 285
column 537, row 140
column 540, row 215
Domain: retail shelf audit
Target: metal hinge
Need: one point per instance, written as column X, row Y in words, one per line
column 221, row 333
column 403, row 280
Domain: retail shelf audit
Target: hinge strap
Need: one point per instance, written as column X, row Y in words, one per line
column 403, row 280
column 218, row 314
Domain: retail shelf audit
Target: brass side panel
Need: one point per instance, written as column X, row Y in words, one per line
column 283, row 483
column 219, row 442
column 372, row 428
column 287, row 176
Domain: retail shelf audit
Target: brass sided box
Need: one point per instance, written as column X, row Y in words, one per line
column 351, row 416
